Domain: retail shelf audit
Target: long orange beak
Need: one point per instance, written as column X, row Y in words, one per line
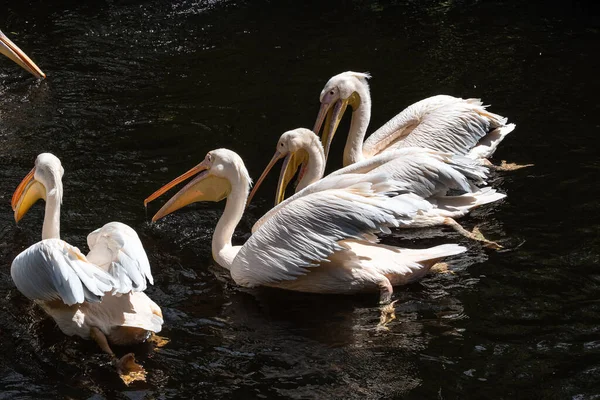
column 27, row 193
column 12, row 51
column 204, row 187
column 321, row 117
column 291, row 163
column 331, row 114
column 276, row 157
column 19, row 190
column 194, row 171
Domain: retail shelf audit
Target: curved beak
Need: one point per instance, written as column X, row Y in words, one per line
column 321, row 117
column 291, row 163
column 204, row 187
column 27, row 193
column 12, row 51
column 331, row 114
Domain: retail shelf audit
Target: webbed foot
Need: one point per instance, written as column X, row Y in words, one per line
column 440, row 268
column 477, row 235
column 129, row 370
column 388, row 314
column 506, row 166
column 158, row 341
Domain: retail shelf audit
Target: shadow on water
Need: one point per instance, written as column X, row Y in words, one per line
column 139, row 91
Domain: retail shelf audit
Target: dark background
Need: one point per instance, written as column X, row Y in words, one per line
column 139, row 91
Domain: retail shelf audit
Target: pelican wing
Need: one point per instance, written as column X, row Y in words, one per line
column 440, row 122
column 455, row 128
column 117, row 249
column 52, row 270
column 330, row 182
column 401, row 126
column 422, row 171
column 306, row 230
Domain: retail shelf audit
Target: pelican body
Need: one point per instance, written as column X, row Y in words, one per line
column 321, row 242
column 427, row 173
column 12, row 51
column 443, row 123
column 98, row 296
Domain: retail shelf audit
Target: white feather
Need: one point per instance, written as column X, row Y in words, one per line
column 305, row 230
column 117, row 249
column 52, row 269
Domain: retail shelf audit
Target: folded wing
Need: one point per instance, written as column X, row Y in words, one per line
column 454, row 128
column 305, row 229
column 422, row 171
column 117, row 249
column 441, row 123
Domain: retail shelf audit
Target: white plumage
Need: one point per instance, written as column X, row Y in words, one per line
column 117, row 249
column 320, row 240
column 99, row 295
column 422, row 171
column 54, row 270
column 429, row 174
column 444, row 123
column 319, row 221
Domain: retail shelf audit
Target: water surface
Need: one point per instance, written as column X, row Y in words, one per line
column 139, row 91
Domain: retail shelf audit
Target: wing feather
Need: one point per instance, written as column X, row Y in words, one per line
column 454, row 128
column 305, row 231
column 330, row 183
column 52, row 269
column 422, row 171
column 404, row 122
column 117, row 249
column 443, row 123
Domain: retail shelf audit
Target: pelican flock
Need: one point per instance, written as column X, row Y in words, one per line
column 427, row 173
column 425, row 167
column 321, row 241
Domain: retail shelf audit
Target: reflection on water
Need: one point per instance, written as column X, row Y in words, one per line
column 138, row 92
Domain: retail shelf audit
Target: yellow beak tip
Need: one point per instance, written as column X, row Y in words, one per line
column 156, row 217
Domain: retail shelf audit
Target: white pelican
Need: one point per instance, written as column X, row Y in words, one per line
column 10, row 50
column 444, row 123
column 427, row 173
column 98, row 296
column 322, row 242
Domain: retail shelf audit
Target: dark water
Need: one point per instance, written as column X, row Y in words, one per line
column 139, row 91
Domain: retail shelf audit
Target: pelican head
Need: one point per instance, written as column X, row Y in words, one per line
column 339, row 91
column 10, row 50
column 44, row 180
column 292, row 145
column 216, row 174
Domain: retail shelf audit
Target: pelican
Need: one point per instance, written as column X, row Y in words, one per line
column 322, row 242
column 427, row 173
column 98, row 296
column 444, row 123
column 10, row 50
